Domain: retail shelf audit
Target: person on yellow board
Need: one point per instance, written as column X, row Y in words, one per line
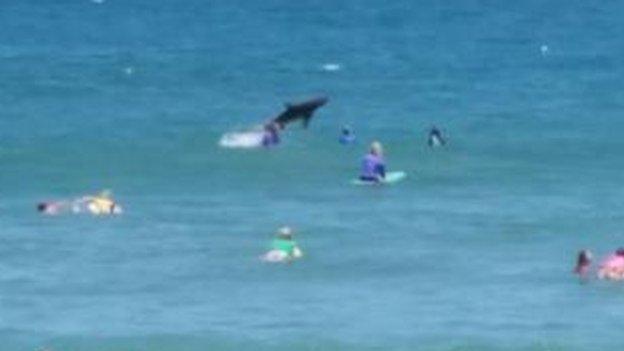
column 102, row 204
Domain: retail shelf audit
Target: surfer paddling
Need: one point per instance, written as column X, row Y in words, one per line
column 100, row 204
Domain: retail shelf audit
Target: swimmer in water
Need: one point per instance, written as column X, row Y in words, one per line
column 283, row 247
column 271, row 135
column 51, row 208
column 373, row 166
column 101, row 204
column 612, row 268
column 346, row 136
column 583, row 263
column 435, row 137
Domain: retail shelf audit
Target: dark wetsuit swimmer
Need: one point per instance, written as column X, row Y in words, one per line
column 435, row 137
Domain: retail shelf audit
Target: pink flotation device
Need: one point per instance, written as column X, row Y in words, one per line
column 612, row 268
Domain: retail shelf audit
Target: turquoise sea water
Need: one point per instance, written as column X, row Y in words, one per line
column 472, row 252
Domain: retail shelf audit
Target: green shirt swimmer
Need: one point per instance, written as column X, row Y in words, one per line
column 284, row 243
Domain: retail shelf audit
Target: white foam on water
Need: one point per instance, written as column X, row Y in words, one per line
column 331, row 67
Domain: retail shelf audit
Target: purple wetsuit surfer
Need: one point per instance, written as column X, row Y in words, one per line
column 373, row 166
column 271, row 135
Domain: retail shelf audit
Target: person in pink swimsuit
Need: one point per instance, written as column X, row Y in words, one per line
column 612, row 268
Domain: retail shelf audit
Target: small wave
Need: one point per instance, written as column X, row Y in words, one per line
column 331, row 67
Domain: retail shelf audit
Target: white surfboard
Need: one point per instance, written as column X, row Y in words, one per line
column 277, row 256
column 242, row 140
column 391, row 178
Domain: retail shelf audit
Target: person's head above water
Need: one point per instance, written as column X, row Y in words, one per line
column 42, row 207
column 583, row 262
column 584, row 257
column 49, row 207
column 376, row 148
column 285, row 232
column 619, row 251
column 346, row 130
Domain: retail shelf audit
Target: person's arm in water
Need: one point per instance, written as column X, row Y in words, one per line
column 297, row 253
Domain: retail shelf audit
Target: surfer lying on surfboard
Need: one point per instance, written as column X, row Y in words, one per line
column 373, row 165
column 100, row 204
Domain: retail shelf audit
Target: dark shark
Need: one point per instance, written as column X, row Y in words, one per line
column 300, row 111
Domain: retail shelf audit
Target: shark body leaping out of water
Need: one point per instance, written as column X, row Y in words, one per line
column 300, row 111
column 268, row 133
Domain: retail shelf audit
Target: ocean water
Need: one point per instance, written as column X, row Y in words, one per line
column 473, row 251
